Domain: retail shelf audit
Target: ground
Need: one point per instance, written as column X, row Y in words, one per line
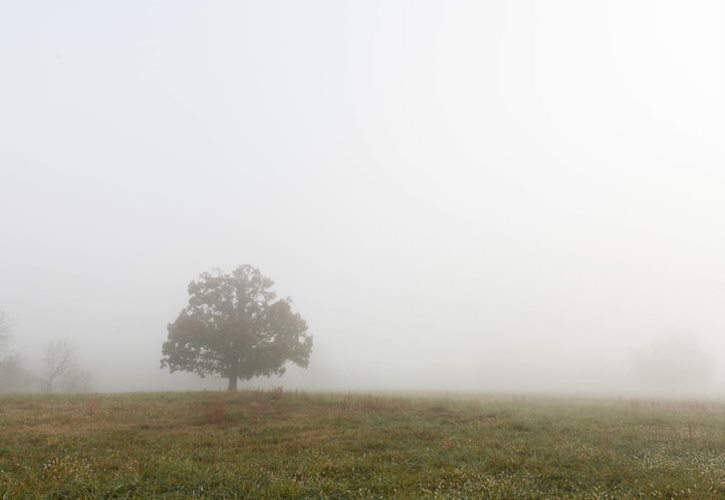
column 276, row 444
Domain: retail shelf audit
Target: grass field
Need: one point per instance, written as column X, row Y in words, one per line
column 274, row 444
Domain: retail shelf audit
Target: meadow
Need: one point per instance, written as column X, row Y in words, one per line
column 274, row 444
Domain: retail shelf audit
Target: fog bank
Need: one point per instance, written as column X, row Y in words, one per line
column 498, row 196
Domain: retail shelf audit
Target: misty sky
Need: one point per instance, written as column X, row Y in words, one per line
column 457, row 195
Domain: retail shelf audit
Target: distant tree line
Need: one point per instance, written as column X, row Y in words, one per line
column 234, row 326
column 61, row 370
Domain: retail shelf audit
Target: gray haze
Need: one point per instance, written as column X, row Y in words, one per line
column 481, row 196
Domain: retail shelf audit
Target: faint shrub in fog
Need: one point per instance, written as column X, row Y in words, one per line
column 672, row 359
column 4, row 330
column 77, row 381
column 13, row 376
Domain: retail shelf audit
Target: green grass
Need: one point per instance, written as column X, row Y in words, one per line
column 271, row 445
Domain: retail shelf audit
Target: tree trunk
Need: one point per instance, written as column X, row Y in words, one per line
column 232, row 383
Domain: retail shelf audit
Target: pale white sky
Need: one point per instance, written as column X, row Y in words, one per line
column 476, row 195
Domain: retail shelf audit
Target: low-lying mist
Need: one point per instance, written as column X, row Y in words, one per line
column 457, row 196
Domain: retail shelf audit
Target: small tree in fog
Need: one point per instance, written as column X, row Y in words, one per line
column 59, row 360
column 62, row 373
column 235, row 327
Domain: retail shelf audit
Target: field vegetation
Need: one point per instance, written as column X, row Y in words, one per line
column 271, row 444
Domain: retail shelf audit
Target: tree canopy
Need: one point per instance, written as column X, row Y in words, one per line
column 235, row 327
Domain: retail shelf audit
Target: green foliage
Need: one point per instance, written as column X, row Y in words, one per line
column 297, row 445
column 235, row 327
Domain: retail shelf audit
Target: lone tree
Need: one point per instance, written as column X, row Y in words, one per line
column 235, row 327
